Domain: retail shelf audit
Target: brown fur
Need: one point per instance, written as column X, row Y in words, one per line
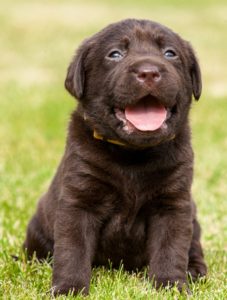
column 127, row 203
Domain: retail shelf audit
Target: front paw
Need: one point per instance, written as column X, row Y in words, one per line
column 197, row 270
column 168, row 282
column 64, row 288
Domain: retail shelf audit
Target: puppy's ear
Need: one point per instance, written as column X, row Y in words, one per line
column 195, row 74
column 75, row 78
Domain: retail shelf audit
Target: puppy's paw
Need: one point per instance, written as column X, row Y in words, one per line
column 165, row 282
column 197, row 270
column 67, row 288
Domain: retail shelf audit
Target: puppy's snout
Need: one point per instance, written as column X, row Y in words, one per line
column 148, row 74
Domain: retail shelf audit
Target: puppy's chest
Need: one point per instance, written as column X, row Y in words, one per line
column 126, row 230
column 127, row 219
column 127, row 224
column 134, row 193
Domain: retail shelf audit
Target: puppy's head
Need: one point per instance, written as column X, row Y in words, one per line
column 134, row 81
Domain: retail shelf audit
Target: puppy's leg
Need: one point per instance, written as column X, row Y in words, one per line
column 36, row 241
column 170, row 234
column 196, row 266
column 75, row 241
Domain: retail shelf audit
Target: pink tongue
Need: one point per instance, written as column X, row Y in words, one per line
column 146, row 115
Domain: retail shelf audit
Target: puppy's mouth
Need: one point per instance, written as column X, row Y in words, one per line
column 147, row 114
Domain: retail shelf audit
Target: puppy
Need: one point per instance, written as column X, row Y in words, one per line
column 122, row 191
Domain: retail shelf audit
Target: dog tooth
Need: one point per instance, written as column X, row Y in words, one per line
column 164, row 126
column 168, row 114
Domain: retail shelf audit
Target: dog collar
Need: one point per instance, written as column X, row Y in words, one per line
column 99, row 137
column 115, row 142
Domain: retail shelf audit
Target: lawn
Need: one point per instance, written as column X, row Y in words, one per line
column 37, row 41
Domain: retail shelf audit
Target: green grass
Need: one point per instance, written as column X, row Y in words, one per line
column 37, row 42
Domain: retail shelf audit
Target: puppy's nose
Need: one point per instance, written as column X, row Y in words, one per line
column 148, row 74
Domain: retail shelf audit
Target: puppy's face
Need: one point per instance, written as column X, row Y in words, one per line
column 135, row 80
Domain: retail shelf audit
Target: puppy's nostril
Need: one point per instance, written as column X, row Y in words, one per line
column 149, row 75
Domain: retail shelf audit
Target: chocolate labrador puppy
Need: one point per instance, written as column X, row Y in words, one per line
column 122, row 191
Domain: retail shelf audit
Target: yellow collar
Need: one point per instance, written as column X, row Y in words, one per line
column 99, row 137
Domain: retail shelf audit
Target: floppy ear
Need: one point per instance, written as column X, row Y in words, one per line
column 75, row 78
column 195, row 74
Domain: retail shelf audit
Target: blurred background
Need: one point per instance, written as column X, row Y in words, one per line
column 37, row 41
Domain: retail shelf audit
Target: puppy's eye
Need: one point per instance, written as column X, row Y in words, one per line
column 115, row 55
column 170, row 54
